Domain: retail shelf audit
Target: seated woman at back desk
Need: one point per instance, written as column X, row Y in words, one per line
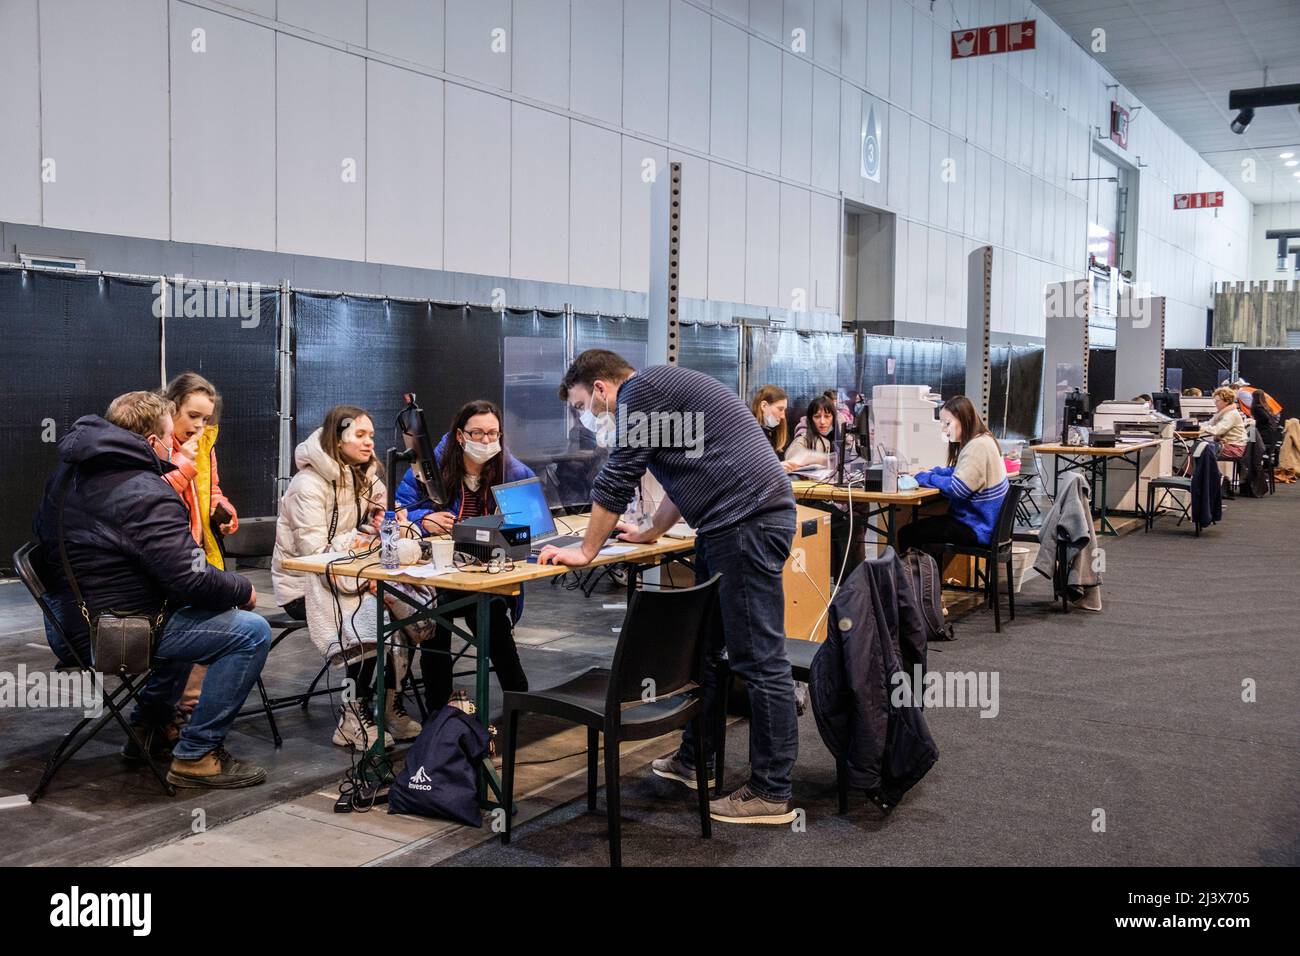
column 974, row 482
column 815, row 444
column 1227, row 427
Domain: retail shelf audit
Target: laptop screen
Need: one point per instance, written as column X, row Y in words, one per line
column 524, row 502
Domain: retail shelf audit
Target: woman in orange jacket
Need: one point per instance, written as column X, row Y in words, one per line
column 195, row 479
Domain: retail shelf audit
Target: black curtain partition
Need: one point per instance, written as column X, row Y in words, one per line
column 240, row 356
column 73, row 343
column 1276, row 371
column 804, row 364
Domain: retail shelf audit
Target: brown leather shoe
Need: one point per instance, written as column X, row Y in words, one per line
column 216, row 769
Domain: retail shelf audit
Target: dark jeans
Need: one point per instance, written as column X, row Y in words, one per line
column 437, row 667
column 233, row 644
column 937, row 530
column 750, row 556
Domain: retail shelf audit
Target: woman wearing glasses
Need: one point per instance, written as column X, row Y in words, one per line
column 472, row 459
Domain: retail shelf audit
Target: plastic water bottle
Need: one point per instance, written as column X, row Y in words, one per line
column 889, row 475
column 388, row 542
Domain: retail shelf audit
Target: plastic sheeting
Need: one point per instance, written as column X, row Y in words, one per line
column 804, row 364
column 73, row 343
column 240, row 357
column 712, row 349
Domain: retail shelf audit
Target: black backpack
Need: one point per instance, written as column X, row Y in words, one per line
column 440, row 775
column 922, row 570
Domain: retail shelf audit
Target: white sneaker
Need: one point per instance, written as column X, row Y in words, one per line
column 357, row 728
column 396, row 719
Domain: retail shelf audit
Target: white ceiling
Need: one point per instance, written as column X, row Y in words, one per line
column 1181, row 57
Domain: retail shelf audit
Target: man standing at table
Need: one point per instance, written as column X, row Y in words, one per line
column 719, row 472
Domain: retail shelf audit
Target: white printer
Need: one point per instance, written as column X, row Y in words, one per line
column 905, row 422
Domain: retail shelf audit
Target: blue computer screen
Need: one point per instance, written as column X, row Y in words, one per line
column 524, row 502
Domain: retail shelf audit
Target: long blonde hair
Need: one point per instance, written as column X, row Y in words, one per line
column 771, row 394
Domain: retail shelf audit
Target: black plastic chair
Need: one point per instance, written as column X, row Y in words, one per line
column 114, row 702
column 661, row 651
column 800, row 654
column 1168, row 486
column 996, row 552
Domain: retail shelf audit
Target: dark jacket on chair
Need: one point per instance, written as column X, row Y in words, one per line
column 127, row 533
column 1207, row 488
column 876, row 630
column 1254, row 476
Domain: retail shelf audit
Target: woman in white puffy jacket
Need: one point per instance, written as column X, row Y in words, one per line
column 335, row 503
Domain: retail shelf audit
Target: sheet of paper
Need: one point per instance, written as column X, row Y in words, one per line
column 617, row 548
column 426, row 570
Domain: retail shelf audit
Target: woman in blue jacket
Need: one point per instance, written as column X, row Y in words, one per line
column 472, row 459
column 974, row 482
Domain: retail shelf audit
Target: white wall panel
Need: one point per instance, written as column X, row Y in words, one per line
column 922, row 177
column 596, row 59
column 878, row 46
column 937, row 174
column 766, row 17
column 853, row 42
column 736, row 9
column 695, row 224
column 409, row 29
column 688, row 76
column 825, row 227
column 477, row 193
column 645, row 66
column 726, row 233
column 470, row 37
column 20, row 117
column 827, row 38
column 762, row 241
column 851, row 182
column 795, row 268
column 796, row 118
column 920, row 52
column 826, row 130
column 595, row 191
column 99, row 150
column 404, row 125
column 337, row 19
column 223, row 197
column 902, row 266
column 936, row 282
column 539, row 194
column 729, row 87
column 640, row 159
column 898, row 158
column 541, row 54
column 764, row 106
column 900, row 55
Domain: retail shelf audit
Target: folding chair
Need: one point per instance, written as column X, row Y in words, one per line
column 126, row 692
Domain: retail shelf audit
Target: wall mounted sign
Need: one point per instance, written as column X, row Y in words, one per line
column 998, row 38
column 1198, row 200
column 872, row 146
column 1119, row 125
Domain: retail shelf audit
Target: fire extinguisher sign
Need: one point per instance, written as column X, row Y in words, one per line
column 998, row 38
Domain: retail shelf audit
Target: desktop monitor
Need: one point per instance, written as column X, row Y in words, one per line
column 524, row 502
column 1167, row 403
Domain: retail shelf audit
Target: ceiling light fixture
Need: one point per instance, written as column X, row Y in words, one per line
column 1285, row 155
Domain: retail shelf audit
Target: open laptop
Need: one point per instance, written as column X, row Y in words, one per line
column 524, row 502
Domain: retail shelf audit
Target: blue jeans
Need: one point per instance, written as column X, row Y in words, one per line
column 233, row 644
column 750, row 556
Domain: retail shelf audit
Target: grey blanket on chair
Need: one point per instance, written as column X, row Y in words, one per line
column 1070, row 520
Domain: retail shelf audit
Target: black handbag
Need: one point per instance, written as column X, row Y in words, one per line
column 120, row 643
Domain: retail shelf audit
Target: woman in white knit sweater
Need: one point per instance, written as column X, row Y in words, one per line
column 1227, row 427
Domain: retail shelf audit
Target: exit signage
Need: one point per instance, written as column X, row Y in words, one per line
column 1198, row 200
column 999, row 38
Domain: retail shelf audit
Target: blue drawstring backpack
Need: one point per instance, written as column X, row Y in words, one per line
column 440, row 775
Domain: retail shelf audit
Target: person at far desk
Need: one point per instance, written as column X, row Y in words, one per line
column 769, row 407
column 974, row 482
column 472, row 458
column 818, row 438
column 1227, row 427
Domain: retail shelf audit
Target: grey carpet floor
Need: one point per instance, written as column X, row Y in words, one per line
column 1136, row 713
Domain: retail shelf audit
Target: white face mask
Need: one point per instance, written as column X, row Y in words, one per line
column 480, row 452
column 604, row 425
column 770, row 420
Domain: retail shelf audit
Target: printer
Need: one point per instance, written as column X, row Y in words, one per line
column 1132, row 421
column 905, row 423
column 1197, row 409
